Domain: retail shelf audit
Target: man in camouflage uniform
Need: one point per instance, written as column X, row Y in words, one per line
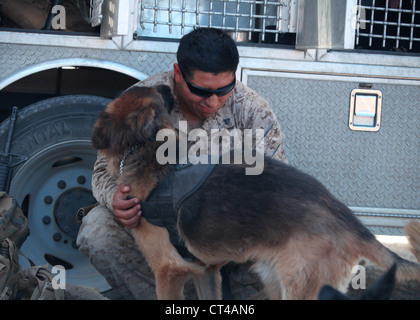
column 207, row 96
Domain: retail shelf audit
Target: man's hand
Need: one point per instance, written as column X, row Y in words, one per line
column 128, row 212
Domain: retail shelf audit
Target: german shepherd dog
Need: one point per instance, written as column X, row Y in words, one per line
column 297, row 234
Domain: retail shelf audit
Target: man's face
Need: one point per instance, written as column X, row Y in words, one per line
column 197, row 107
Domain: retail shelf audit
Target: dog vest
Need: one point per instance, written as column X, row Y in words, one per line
column 162, row 205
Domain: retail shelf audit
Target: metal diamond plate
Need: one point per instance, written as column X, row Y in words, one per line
column 363, row 169
column 14, row 57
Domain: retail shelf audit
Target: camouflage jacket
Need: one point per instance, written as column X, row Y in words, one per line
column 245, row 109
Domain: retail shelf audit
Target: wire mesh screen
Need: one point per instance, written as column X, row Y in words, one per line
column 388, row 25
column 244, row 19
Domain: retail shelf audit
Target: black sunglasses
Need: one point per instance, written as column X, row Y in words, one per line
column 207, row 92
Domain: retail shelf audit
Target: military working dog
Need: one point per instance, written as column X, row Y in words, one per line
column 297, row 234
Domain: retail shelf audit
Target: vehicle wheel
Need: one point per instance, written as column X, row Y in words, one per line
column 55, row 179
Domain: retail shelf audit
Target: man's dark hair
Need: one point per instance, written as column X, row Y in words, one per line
column 209, row 50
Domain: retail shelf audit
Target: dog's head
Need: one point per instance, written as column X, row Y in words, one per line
column 133, row 119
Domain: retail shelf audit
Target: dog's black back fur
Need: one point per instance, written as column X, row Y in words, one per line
column 271, row 206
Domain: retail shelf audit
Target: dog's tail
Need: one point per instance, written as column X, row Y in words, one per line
column 385, row 259
column 412, row 230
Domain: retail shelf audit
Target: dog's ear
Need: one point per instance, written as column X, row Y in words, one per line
column 142, row 125
column 329, row 293
column 167, row 96
column 380, row 290
column 383, row 287
column 101, row 135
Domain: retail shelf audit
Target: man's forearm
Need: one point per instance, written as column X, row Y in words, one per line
column 103, row 184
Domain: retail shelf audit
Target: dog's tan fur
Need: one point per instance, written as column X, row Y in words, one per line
column 297, row 234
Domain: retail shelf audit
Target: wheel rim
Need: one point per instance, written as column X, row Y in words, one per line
column 52, row 185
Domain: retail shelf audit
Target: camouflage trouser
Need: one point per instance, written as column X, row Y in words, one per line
column 111, row 249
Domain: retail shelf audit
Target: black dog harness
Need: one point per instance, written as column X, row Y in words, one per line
column 162, row 205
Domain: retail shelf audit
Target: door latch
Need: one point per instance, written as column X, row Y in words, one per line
column 365, row 110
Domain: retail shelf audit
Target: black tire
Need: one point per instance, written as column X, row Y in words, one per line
column 55, row 179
